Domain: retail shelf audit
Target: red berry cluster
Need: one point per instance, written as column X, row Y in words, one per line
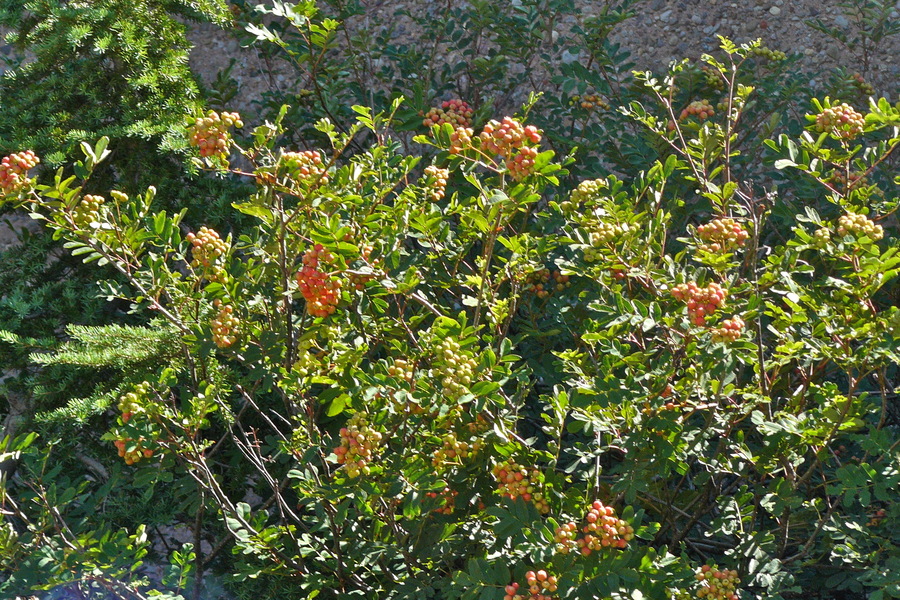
column 224, row 325
column 359, row 443
column 862, row 85
column 456, row 112
column 722, row 235
column 461, row 139
column 540, row 584
column 455, row 450
column 515, row 481
column 321, row 291
column 700, row 301
column 701, row 109
column 539, row 282
column 448, row 498
column 455, row 367
column 601, row 530
column 210, row 133
column 135, row 401
column 855, row 224
column 509, row 139
column 13, row 170
column 132, row 450
column 728, row 330
column 841, row 121
column 855, row 179
column 307, row 166
column 436, row 182
column 207, row 248
column 716, row 584
column 87, row 211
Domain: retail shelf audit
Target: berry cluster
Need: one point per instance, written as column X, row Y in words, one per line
column 865, row 88
column 650, row 411
column 700, row 301
column 132, row 450
column 359, row 442
column 602, row 234
column 855, row 224
column 207, row 248
column 541, row 586
column 522, row 164
column 877, row 518
column 210, row 133
column 224, row 325
column 729, row 330
column 13, row 170
column 455, row 450
column 722, row 235
column 589, row 102
column 839, row 178
column 87, row 211
column 701, row 109
column 769, row 54
column 539, row 282
column 514, row 481
column 506, row 137
column 456, row 112
column 586, row 190
column 402, row 369
column 321, row 291
column 456, row 368
column 841, row 121
column 461, row 139
column 712, row 77
column 436, row 182
column 307, row 166
column 601, row 530
column 448, row 498
column 821, row 237
column 716, row 584
column 134, row 401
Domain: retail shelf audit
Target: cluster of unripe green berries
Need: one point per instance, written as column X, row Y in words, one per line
column 515, row 481
column 602, row 529
column 602, row 234
column 135, row 401
column 716, row 584
column 821, row 237
column 855, row 224
column 402, row 369
column 454, row 450
column 87, row 210
column 586, row 190
column 722, row 235
column 456, row 368
column 540, row 586
column 206, row 248
column 862, row 85
column 359, row 443
column 456, row 112
column 841, row 121
column 712, row 77
column 701, row 302
column 701, row 109
column 769, row 54
column 210, row 135
column 224, row 325
column 728, row 330
column 321, row 291
column 589, row 102
column 14, row 169
column 307, row 166
column 436, row 182
column 448, row 498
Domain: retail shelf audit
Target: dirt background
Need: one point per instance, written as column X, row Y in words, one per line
column 662, row 31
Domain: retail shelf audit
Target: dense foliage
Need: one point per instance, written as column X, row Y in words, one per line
column 480, row 363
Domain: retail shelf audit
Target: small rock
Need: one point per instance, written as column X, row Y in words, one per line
column 774, row 11
column 841, row 21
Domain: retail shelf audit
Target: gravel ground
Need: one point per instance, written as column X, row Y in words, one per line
column 662, row 31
